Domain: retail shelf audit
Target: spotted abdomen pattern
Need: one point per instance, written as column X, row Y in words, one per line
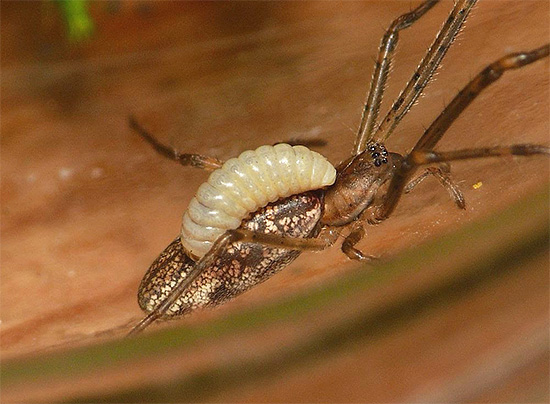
column 247, row 183
column 240, row 266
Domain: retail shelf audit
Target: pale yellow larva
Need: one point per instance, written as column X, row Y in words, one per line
column 247, row 183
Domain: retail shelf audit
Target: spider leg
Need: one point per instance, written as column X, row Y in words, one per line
column 425, row 70
column 348, row 246
column 435, row 132
column 485, row 78
column 421, row 157
column 381, row 69
column 185, row 159
column 207, row 260
column 444, row 177
column 325, row 239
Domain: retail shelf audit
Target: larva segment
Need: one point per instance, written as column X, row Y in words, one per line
column 247, row 183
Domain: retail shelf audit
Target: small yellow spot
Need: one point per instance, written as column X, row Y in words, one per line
column 477, row 185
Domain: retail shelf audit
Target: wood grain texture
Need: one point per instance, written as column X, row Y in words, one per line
column 86, row 205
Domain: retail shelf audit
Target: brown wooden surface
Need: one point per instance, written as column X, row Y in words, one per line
column 86, row 206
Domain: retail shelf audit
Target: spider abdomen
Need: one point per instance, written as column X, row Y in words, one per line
column 247, row 183
column 241, row 266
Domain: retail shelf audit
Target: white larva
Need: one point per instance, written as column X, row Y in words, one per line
column 247, row 183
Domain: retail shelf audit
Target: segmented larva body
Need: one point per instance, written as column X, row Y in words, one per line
column 247, row 183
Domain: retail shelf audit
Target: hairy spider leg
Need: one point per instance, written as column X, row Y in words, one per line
column 421, row 153
column 425, row 70
column 382, row 68
column 185, row 159
column 355, row 236
column 444, row 178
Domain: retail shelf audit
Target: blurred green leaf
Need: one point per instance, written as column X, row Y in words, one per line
column 80, row 25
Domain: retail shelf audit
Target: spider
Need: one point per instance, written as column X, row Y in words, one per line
column 258, row 212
